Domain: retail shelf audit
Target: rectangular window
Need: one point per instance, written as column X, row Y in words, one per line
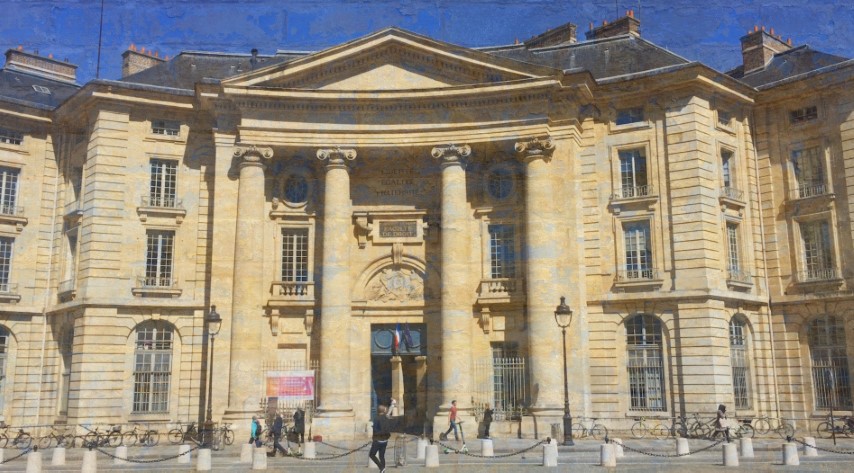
column 809, row 172
column 740, row 369
column 508, row 380
column 629, row 115
column 164, row 175
column 818, row 251
column 502, row 251
column 638, row 251
column 633, row 177
column 9, row 191
column 166, row 127
column 6, row 244
column 11, row 137
column 158, row 259
column 724, row 118
column 726, row 171
column 733, row 263
column 152, row 369
column 802, row 115
column 294, row 254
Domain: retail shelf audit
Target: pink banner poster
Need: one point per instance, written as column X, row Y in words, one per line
column 291, row 385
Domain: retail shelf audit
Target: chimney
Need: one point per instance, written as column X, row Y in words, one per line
column 563, row 34
column 759, row 47
column 625, row 25
column 134, row 61
column 253, row 61
column 20, row 60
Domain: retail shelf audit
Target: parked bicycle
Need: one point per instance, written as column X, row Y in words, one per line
column 143, row 436
column 765, row 424
column 184, row 433
column 59, row 436
column 641, row 428
column 835, row 425
column 588, row 427
column 700, row 428
column 21, row 440
column 673, row 427
column 111, row 438
column 742, row 430
column 222, row 436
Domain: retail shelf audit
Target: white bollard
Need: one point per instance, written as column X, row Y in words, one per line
column 607, row 455
column 203, row 460
column 259, row 458
column 553, row 441
column 90, row 462
column 730, row 454
column 121, row 457
column 58, row 458
column 486, row 448
column 184, row 456
column 809, row 447
column 746, row 447
column 790, row 454
column 682, row 447
column 549, row 455
column 246, row 453
column 34, row 462
column 431, row 456
column 421, row 448
column 309, row 450
column 618, row 448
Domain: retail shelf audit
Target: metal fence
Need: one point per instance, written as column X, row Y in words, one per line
column 286, row 407
column 501, row 383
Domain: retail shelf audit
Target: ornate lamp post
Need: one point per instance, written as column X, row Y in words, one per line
column 563, row 317
column 214, row 322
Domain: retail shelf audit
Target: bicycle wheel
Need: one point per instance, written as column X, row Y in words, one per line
column 24, row 441
column 578, row 431
column 3, row 440
column 745, row 431
column 659, row 432
column 639, row 430
column 176, row 436
column 129, row 439
column 151, row 438
column 786, row 430
column 679, row 430
column 114, row 439
column 91, row 440
column 824, row 430
column 761, row 426
column 46, row 441
column 598, row 431
column 228, row 437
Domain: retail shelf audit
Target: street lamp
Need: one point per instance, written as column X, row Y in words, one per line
column 563, row 317
column 214, row 322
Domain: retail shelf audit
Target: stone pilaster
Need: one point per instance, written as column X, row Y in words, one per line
column 247, row 324
column 335, row 412
column 541, row 256
column 455, row 320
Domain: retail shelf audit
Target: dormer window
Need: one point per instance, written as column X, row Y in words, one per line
column 166, row 127
column 11, row 137
column 803, row 115
column 41, row 89
column 629, row 115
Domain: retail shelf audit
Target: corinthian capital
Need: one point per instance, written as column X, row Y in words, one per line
column 535, row 148
column 452, row 154
column 336, row 156
column 252, row 153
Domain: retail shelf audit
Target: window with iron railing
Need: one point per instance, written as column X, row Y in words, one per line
column 818, row 251
column 645, row 363
column 6, row 244
column 9, row 190
column 809, row 172
column 633, row 175
column 152, row 372
column 164, row 177
column 158, row 259
column 166, row 127
column 739, row 361
column 294, row 254
column 4, row 352
column 638, row 251
column 733, row 256
column 502, row 251
column 829, row 357
column 11, row 137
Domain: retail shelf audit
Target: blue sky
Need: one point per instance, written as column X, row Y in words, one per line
column 707, row 30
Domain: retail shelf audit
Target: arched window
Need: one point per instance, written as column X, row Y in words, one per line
column 4, row 353
column 739, row 361
column 829, row 363
column 646, row 371
column 152, row 371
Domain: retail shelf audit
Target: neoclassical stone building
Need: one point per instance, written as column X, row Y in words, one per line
column 399, row 217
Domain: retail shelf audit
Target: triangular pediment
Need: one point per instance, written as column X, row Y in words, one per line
column 390, row 60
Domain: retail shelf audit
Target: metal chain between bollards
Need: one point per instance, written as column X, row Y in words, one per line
column 333, row 446
column 333, row 457
column 666, row 455
column 503, row 455
column 846, row 452
column 26, row 451
column 156, row 460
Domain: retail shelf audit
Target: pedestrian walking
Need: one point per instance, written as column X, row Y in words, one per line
column 452, row 420
column 278, row 425
column 379, row 441
column 721, row 423
column 299, row 425
column 487, row 420
column 255, row 432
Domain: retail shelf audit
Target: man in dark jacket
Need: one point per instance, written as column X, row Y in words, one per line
column 382, row 432
column 487, row 420
column 299, row 425
column 278, row 424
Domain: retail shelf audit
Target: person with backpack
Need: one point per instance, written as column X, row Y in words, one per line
column 278, row 425
column 255, row 432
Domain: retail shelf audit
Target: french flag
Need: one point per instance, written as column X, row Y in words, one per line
column 397, row 338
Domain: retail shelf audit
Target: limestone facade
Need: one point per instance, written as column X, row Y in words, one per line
column 697, row 223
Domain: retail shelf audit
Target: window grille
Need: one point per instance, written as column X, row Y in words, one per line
column 829, row 363
column 645, row 366
column 11, row 137
column 633, row 176
column 733, row 257
column 726, row 160
column 629, row 115
column 152, row 368
column 294, row 254
column 164, row 175
column 802, row 115
column 501, row 382
column 166, row 127
column 818, row 259
column 739, row 362
column 5, row 262
column 158, row 262
column 638, row 250
column 809, row 172
column 502, row 251
column 9, row 190
column 500, row 183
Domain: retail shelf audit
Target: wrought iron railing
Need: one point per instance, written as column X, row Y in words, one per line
column 162, row 202
column 818, row 274
column 156, row 281
column 501, row 383
column 810, row 189
column 638, row 274
column 497, row 287
column 732, row 193
column 633, row 192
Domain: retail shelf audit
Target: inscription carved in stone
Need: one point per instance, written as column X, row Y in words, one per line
column 401, row 229
column 396, row 286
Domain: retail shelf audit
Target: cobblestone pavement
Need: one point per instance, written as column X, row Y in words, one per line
column 582, row 457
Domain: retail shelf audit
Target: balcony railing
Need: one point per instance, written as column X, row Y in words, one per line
column 633, row 192
column 292, row 290
column 11, row 210
column 810, row 189
column 161, row 202
column 732, row 193
column 739, row 275
column 8, row 288
column 818, row 274
column 156, row 282
column 639, row 274
column 501, row 287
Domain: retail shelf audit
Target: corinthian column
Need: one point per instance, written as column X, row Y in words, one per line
column 541, row 255
column 456, row 317
column 247, row 320
column 335, row 413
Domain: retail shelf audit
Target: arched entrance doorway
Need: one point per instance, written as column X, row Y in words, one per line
column 399, row 371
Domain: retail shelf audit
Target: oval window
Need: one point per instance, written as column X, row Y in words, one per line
column 296, row 189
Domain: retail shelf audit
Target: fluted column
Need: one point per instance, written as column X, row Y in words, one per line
column 541, row 255
column 456, row 316
column 335, row 300
column 247, row 322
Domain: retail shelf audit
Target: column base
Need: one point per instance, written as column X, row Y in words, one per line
column 333, row 425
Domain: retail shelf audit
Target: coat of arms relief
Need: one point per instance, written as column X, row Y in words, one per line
column 396, row 286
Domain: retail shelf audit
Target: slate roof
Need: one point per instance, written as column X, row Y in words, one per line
column 17, row 86
column 791, row 63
